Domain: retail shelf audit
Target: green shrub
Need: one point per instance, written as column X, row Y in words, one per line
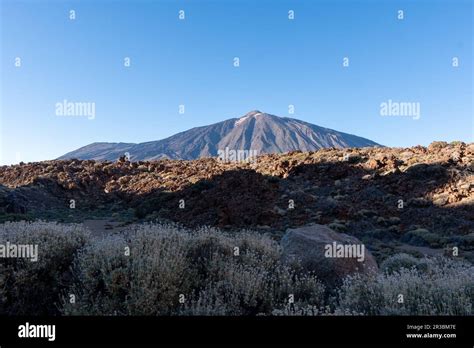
column 437, row 145
column 467, row 241
column 397, row 262
column 423, row 237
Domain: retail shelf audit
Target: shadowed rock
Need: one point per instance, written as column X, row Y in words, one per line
column 309, row 246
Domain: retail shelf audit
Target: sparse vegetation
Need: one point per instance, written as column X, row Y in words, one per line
column 446, row 287
column 214, row 272
column 174, row 271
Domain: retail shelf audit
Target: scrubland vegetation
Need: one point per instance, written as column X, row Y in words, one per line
column 156, row 269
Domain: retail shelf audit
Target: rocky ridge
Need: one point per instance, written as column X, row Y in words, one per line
column 419, row 196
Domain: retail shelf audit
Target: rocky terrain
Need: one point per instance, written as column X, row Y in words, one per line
column 417, row 200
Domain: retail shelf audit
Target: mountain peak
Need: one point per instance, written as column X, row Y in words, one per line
column 256, row 130
column 253, row 113
column 248, row 115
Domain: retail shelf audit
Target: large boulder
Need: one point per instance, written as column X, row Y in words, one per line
column 329, row 254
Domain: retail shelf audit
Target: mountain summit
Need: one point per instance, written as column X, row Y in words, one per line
column 256, row 131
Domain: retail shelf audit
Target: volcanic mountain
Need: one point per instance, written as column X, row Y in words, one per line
column 256, row 131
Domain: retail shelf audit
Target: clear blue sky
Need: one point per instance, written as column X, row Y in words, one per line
column 190, row 62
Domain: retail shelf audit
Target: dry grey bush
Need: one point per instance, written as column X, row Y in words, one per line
column 148, row 282
column 166, row 261
column 33, row 288
column 445, row 287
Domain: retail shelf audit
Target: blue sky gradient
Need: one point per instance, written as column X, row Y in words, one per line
column 190, row 62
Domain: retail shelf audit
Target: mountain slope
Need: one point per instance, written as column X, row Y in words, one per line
column 257, row 131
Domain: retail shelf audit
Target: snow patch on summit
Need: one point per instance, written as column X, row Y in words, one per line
column 246, row 117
